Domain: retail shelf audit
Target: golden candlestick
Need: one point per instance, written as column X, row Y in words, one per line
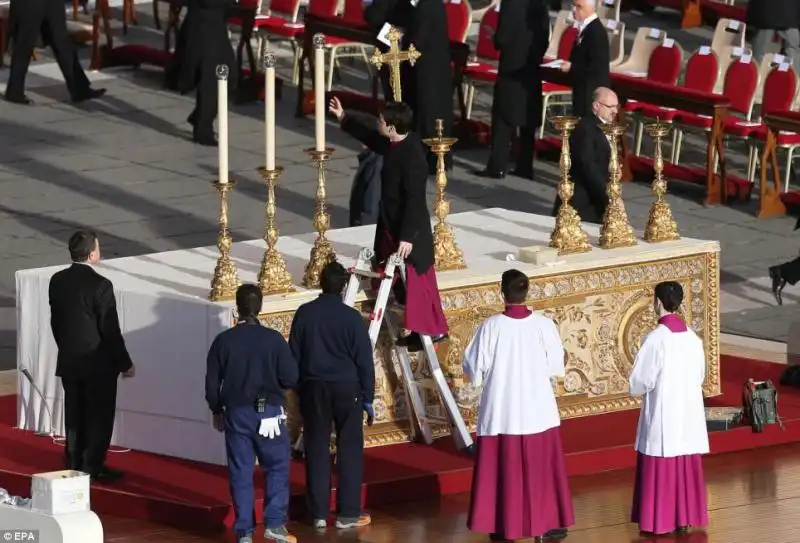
column 226, row 278
column 616, row 232
column 568, row 236
column 447, row 254
column 273, row 278
column 322, row 253
column 394, row 58
column 661, row 226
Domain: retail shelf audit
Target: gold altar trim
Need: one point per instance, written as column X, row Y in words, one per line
column 602, row 313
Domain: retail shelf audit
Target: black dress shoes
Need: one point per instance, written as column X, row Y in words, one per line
column 778, row 283
column 22, row 100
column 489, row 173
column 105, row 475
column 523, row 173
column 207, row 140
column 88, row 94
column 555, row 535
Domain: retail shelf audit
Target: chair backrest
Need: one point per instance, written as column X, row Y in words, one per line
column 284, row 8
column 702, row 70
column 741, row 82
column 644, row 43
column 485, row 48
column 616, row 40
column 353, row 11
column 459, row 18
column 609, row 9
column 563, row 21
column 322, row 8
column 780, row 89
column 567, row 43
column 664, row 65
column 768, row 61
column 728, row 33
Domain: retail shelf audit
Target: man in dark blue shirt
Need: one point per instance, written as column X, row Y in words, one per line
column 337, row 384
column 249, row 369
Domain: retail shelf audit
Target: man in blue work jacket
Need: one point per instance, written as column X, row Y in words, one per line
column 249, row 369
column 337, row 385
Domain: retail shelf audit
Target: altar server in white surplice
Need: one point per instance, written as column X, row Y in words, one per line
column 519, row 486
column 670, row 492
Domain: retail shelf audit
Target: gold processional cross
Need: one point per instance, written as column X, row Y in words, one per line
column 394, row 58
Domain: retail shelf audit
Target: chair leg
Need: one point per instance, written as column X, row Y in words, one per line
column 673, row 145
column 545, row 105
column 788, row 175
column 332, row 66
column 637, row 140
column 676, row 150
column 156, row 16
column 752, row 163
column 470, row 97
column 296, row 68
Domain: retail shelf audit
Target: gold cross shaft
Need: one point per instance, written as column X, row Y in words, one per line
column 394, row 58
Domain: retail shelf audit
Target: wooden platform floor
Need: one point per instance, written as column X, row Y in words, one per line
column 753, row 496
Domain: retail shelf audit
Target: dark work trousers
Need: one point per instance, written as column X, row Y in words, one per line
column 365, row 195
column 790, row 271
column 89, row 409
column 205, row 108
column 501, row 139
column 54, row 31
column 244, row 444
column 323, row 403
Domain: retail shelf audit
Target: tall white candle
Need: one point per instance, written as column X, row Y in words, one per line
column 269, row 108
column 222, row 121
column 319, row 89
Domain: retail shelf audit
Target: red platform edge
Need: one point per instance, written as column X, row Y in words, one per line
column 194, row 496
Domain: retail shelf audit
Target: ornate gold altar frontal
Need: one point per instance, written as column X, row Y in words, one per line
column 602, row 314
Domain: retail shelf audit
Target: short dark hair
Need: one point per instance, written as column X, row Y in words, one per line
column 248, row 301
column 81, row 245
column 670, row 294
column 514, row 286
column 333, row 278
column 398, row 115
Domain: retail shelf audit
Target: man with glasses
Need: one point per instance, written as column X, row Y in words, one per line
column 591, row 153
column 589, row 64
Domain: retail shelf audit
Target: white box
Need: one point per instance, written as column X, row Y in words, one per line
column 60, row 492
column 538, row 255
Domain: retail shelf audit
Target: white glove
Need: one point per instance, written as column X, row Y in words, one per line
column 270, row 428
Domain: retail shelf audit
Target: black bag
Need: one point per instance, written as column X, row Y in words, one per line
column 760, row 403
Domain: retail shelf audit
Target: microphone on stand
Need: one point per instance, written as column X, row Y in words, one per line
column 49, row 433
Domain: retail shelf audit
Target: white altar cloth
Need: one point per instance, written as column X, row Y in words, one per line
column 168, row 322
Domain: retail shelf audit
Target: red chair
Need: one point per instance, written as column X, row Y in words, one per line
column 352, row 14
column 459, row 17
column 483, row 68
column 553, row 94
column 741, row 83
column 780, row 93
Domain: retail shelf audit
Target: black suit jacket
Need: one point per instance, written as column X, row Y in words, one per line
column 590, row 60
column 403, row 210
column 85, row 325
column 591, row 153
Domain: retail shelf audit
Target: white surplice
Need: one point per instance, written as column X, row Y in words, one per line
column 514, row 359
column 669, row 372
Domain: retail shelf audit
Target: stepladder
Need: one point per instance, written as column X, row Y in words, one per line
column 428, row 376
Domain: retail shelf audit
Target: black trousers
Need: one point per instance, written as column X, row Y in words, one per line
column 790, row 271
column 53, row 27
column 89, row 409
column 322, row 404
column 501, row 139
column 205, row 108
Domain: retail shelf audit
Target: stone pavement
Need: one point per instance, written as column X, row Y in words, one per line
column 125, row 167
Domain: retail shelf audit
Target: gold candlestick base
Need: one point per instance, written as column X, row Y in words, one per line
column 616, row 231
column 568, row 236
column 226, row 278
column 273, row 277
column 322, row 253
column 447, row 255
column 661, row 226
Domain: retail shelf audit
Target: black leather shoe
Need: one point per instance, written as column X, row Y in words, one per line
column 105, row 475
column 412, row 342
column 192, row 119
column 778, row 283
column 523, row 173
column 490, row 173
column 555, row 535
column 21, row 100
column 88, row 94
column 204, row 139
column 439, row 339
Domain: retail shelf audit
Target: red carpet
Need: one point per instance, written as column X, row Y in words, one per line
column 195, row 496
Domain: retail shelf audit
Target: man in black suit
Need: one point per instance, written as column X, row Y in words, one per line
column 28, row 19
column 521, row 38
column 404, row 222
column 91, row 356
column 590, row 151
column 590, row 61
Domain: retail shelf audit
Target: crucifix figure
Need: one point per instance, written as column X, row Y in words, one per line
column 394, row 58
